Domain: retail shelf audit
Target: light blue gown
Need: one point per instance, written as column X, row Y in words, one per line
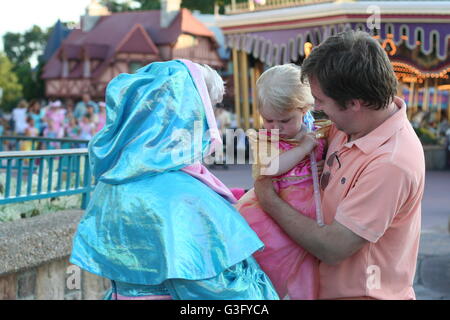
column 149, row 227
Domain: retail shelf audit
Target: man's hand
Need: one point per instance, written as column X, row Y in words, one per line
column 264, row 190
column 331, row 244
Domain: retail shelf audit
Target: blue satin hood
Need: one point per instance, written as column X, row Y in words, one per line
column 147, row 220
column 151, row 118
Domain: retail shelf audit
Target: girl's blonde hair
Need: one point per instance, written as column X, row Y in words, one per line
column 281, row 88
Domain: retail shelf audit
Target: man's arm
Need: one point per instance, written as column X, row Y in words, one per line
column 330, row 244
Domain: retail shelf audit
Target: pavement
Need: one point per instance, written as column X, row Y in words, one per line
column 432, row 280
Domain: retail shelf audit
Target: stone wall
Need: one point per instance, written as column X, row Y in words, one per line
column 34, row 261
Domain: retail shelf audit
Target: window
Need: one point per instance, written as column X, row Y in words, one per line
column 134, row 66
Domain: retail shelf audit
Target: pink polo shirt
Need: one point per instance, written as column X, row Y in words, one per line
column 375, row 190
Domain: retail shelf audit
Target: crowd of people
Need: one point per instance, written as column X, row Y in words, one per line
column 55, row 119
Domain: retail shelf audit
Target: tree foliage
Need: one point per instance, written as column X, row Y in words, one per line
column 131, row 5
column 22, row 49
column 204, row 6
column 12, row 89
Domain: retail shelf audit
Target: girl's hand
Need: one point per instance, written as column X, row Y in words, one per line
column 300, row 135
column 309, row 142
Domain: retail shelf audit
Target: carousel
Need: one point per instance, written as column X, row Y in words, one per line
column 415, row 35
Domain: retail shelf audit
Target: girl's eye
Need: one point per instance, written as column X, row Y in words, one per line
column 285, row 121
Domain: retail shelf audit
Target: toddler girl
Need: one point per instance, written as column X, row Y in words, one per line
column 283, row 101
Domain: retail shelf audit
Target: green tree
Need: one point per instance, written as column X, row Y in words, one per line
column 204, row 6
column 22, row 49
column 130, row 5
column 12, row 89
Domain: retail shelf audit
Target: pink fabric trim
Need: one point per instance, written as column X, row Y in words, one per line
column 216, row 139
column 238, row 192
column 120, row 297
column 199, row 171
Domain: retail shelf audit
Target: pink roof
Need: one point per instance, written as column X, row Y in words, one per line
column 139, row 30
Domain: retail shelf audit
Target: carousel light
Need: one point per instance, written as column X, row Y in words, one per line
column 391, row 44
column 308, row 48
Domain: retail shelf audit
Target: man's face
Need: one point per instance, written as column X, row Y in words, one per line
column 342, row 118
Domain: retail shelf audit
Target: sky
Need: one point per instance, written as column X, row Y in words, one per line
column 21, row 15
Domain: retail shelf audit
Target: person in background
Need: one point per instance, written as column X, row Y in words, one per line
column 101, row 116
column 34, row 111
column 81, row 107
column 70, row 106
column 69, row 109
column 93, row 116
column 56, row 115
column 53, row 131
column 87, row 127
column 73, row 130
column 31, row 131
column 19, row 116
column 2, row 125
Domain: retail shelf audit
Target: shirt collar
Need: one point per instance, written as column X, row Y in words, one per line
column 371, row 141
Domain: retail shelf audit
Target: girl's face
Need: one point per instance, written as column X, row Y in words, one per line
column 289, row 123
column 36, row 107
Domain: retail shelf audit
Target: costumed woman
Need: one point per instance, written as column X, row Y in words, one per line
column 159, row 225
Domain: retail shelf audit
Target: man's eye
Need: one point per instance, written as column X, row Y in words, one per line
column 269, row 121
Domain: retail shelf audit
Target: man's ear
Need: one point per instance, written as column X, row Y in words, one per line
column 355, row 105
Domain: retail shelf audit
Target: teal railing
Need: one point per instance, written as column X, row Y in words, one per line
column 15, row 143
column 39, row 174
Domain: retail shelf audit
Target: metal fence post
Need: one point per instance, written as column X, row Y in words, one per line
column 87, row 184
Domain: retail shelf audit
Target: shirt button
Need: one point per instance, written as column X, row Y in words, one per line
column 343, row 180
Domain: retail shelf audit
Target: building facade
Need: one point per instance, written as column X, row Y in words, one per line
column 109, row 44
column 415, row 35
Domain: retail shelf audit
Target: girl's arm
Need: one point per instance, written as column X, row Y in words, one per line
column 289, row 159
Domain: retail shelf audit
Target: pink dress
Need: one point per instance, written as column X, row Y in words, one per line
column 292, row 270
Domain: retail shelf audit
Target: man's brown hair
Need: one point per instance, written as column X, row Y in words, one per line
column 352, row 65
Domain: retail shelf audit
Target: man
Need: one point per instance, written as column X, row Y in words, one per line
column 81, row 107
column 373, row 178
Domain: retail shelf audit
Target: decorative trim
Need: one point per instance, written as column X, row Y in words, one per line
column 289, row 50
